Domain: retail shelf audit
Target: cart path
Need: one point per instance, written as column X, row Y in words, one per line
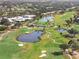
column 70, row 57
column 56, row 42
column 76, row 56
column 2, row 35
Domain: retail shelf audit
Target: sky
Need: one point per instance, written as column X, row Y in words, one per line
column 39, row 0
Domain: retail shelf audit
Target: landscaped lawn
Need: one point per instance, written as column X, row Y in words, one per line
column 59, row 19
column 9, row 48
column 50, row 42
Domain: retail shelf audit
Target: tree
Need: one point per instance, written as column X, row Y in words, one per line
column 64, row 46
column 2, row 28
column 5, row 22
column 17, row 24
column 73, row 31
column 74, row 44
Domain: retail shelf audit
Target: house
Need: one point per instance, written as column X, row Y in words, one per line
column 13, row 20
column 21, row 18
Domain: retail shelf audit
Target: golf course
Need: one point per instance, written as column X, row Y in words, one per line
column 50, row 41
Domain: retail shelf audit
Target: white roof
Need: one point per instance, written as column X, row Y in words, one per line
column 10, row 19
column 31, row 16
column 77, row 18
column 21, row 18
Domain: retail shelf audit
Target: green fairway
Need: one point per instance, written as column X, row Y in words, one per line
column 9, row 46
column 59, row 19
column 50, row 42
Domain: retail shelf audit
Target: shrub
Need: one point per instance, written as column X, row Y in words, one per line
column 2, row 28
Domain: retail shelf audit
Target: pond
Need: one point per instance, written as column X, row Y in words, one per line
column 61, row 30
column 31, row 37
column 46, row 18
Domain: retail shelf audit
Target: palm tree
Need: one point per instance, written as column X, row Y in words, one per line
column 64, row 46
column 74, row 45
column 73, row 31
column 67, row 23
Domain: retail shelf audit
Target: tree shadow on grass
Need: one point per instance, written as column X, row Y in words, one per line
column 57, row 53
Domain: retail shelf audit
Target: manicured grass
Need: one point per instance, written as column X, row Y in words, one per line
column 59, row 19
column 9, row 48
column 41, row 23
